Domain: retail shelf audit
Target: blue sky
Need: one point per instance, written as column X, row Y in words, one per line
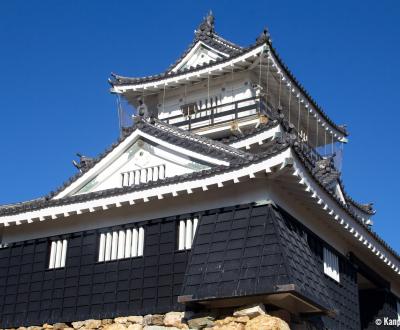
column 56, row 57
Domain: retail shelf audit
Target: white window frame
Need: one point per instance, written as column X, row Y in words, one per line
column 58, row 253
column 121, row 244
column 186, row 232
column 331, row 264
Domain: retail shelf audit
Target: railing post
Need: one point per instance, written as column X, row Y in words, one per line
column 236, row 110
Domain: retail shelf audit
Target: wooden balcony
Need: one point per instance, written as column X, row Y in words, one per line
column 198, row 115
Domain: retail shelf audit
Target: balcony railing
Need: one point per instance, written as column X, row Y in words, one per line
column 142, row 175
column 200, row 116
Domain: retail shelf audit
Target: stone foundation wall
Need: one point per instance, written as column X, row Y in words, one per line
column 247, row 318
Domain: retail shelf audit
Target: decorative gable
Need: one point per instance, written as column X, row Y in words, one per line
column 199, row 55
column 142, row 162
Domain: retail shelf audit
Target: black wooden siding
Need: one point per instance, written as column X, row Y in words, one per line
column 32, row 294
column 250, row 251
column 343, row 296
column 231, row 238
column 376, row 303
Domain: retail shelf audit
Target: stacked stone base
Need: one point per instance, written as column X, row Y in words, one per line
column 247, row 318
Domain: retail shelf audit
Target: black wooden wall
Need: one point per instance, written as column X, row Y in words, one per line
column 343, row 295
column 32, row 294
column 376, row 303
column 243, row 251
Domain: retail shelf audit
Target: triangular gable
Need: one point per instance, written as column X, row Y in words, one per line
column 139, row 158
column 200, row 54
column 143, row 161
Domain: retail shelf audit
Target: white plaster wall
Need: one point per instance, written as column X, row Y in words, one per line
column 232, row 194
column 236, row 87
column 142, row 155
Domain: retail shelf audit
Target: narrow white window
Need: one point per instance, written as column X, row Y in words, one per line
column 121, row 244
column 135, row 235
column 182, row 233
column 64, row 252
column 189, row 234
column 102, row 247
column 331, row 264
column 186, row 233
column 58, row 254
column 128, row 243
column 125, row 243
column 53, row 249
column 114, row 245
column 140, row 242
column 107, row 256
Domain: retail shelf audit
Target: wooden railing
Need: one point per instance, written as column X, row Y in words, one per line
column 142, row 175
column 218, row 113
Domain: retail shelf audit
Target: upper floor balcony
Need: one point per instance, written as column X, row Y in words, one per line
column 211, row 115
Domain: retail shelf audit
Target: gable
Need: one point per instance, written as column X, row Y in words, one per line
column 199, row 55
column 141, row 162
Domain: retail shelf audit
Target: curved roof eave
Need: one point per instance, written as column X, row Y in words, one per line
column 279, row 149
column 120, row 81
column 302, row 89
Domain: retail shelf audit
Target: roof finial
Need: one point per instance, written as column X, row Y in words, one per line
column 207, row 25
column 264, row 37
column 210, row 19
column 84, row 162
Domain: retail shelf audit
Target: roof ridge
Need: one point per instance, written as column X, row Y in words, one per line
column 259, row 129
column 202, row 139
column 126, row 133
column 123, row 80
column 46, row 202
column 204, row 33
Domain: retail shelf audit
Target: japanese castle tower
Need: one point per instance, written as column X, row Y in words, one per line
column 223, row 190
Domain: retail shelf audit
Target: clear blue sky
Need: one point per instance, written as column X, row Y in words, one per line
column 56, row 57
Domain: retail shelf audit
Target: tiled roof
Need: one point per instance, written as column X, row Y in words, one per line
column 118, row 80
column 326, row 175
column 47, row 201
column 209, row 37
column 161, row 130
column 169, row 133
column 206, row 34
column 193, row 141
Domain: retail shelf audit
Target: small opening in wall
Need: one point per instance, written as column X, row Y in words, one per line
column 189, row 108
